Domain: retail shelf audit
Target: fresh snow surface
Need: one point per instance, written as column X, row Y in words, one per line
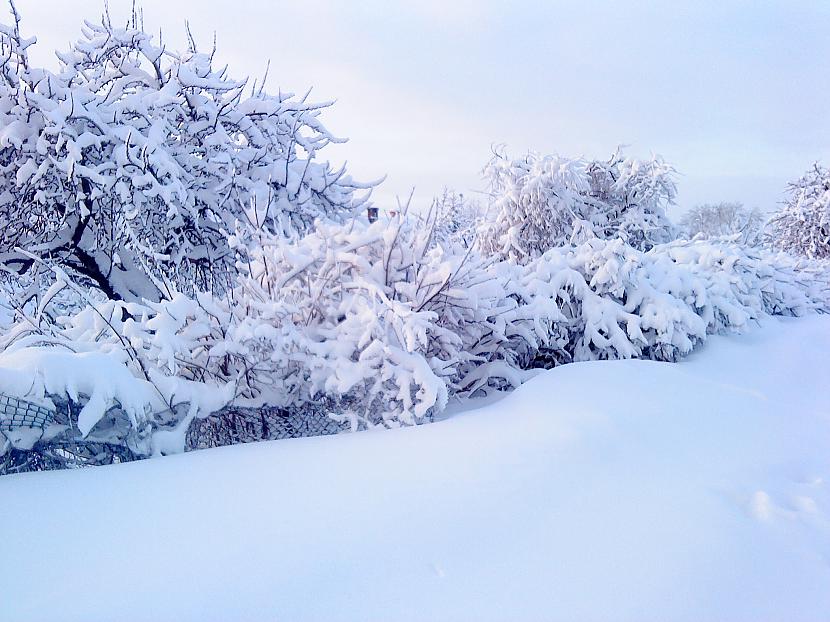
column 618, row 490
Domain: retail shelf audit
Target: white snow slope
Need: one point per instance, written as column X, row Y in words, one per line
column 627, row 490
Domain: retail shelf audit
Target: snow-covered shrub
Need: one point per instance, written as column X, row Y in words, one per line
column 630, row 198
column 372, row 323
column 130, row 164
column 723, row 220
column 534, row 205
column 379, row 320
column 624, row 304
column 114, row 382
column 802, row 226
column 387, row 327
column 751, row 282
column 375, row 326
column 456, row 217
column 542, row 202
column 618, row 302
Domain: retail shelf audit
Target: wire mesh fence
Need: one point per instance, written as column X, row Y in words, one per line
column 34, row 437
column 16, row 413
column 245, row 425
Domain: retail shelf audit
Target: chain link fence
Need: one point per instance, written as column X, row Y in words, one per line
column 24, row 423
column 16, row 413
column 246, row 425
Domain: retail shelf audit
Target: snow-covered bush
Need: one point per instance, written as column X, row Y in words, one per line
column 623, row 303
column 371, row 323
column 388, row 327
column 802, row 226
column 113, row 382
column 130, row 164
column 632, row 197
column 535, row 204
column 618, row 302
column 456, row 217
column 752, row 280
column 380, row 320
column 719, row 220
column 375, row 326
column 542, row 202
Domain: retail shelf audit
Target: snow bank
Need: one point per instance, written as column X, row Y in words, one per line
column 690, row 491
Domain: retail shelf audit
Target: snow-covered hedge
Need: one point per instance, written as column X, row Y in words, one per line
column 380, row 326
column 659, row 304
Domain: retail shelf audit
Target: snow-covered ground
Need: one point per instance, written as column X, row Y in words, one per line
column 623, row 490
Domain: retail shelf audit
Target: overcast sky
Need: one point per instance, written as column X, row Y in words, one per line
column 735, row 94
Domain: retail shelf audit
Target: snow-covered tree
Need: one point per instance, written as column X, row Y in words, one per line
column 131, row 163
column 456, row 216
column 802, row 226
column 714, row 220
column 535, row 204
column 633, row 196
column 541, row 202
